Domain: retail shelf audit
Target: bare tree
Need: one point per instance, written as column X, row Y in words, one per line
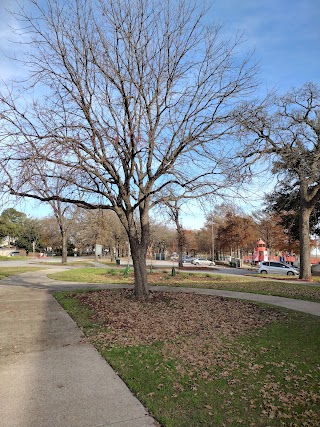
column 288, row 132
column 61, row 210
column 50, row 235
column 50, row 188
column 173, row 209
column 91, row 227
column 134, row 98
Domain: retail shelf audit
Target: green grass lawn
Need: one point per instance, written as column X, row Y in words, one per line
column 69, row 264
column 315, row 278
column 206, row 361
column 202, row 280
column 11, row 258
column 11, row 271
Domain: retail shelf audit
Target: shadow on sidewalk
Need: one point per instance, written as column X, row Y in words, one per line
column 50, row 376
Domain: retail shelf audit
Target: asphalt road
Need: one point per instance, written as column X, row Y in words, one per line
column 165, row 264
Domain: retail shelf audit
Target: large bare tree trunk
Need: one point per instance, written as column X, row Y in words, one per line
column 174, row 212
column 304, row 231
column 139, row 238
column 139, row 254
column 64, row 236
column 180, row 243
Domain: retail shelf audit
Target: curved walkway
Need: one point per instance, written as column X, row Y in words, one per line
column 40, row 280
column 290, row 303
column 50, row 375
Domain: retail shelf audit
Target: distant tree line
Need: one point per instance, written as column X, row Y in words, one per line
column 227, row 231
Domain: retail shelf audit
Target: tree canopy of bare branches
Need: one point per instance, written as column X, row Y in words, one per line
column 126, row 100
column 288, row 131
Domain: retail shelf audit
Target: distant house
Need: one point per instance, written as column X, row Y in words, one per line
column 5, row 242
column 7, row 249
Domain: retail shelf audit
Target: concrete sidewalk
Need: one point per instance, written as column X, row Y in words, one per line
column 49, row 375
column 303, row 306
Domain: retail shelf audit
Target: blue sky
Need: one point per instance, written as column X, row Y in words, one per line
column 285, row 35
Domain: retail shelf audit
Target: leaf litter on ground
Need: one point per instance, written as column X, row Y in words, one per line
column 197, row 332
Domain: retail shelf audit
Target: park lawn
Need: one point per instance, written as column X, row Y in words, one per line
column 115, row 275
column 95, row 275
column 196, row 360
column 315, row 278
column 69, row 264
column 12, row 258
column 12, row 271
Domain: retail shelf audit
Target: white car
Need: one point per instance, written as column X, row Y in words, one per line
column 187, row 258
column 14, row 253
column 275, row 267
column 202, row 261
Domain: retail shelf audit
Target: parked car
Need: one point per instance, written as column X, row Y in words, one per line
column 14, row 253
column 275, row 267
column 202, row 261
column 187, row 258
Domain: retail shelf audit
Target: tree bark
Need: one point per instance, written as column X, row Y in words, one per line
column 180, row 243
column 64, row 236
column 139, row 256
column 304, row 232
column 139, row 239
